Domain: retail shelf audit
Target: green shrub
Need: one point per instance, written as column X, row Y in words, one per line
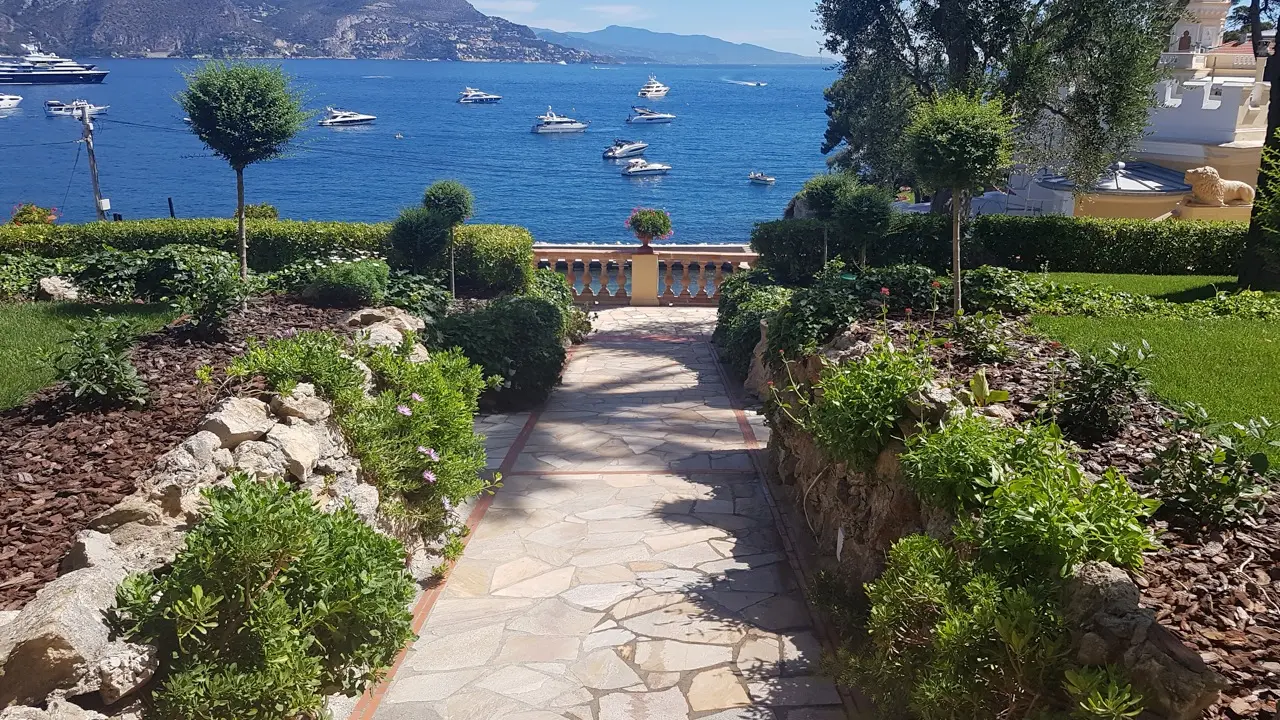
column 493, row 259
column 959, row 465
column 1214, row 482
column 1097, row 395
column 1103, row 694
column 948, row 641
column 650, row 223
column 297, row 275
column 861, row 401
column 95, row 364
column 424, row 297
column 269, row 605
column 20, row 274
column 355, row 284
column 792, row 249
column 517, row 339
column 554, row 288
column 915, row 239
column 984, row 337
column 202, row 283
column 746, row 298
column 320, row 358
column 32, row 214
column 261, row 211
column 450, row 201
column 419, row 241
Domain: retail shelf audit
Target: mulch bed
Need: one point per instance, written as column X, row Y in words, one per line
column 1219, row 590
column 61, row 466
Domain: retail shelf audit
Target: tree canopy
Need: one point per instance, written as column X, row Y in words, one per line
column 1075, row 75
column 245, row 113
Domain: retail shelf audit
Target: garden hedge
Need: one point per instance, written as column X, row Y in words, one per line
column 491, row 259
column 792, row 249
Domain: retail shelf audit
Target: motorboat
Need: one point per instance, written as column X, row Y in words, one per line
column 472, row 96
column 756, row 84
column 759, row 178
column 625, row 149
column 9, row 102
column 76, row 108
column 37, row 68
column 653, row 89
column 335, row 117
column 645, row 116
column 639, row 167
column 553, row 123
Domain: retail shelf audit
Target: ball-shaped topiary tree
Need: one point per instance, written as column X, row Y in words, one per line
column 959, row 142
column 863, row 213
column 452, row 204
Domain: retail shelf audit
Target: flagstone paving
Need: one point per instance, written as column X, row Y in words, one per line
column 630, row 568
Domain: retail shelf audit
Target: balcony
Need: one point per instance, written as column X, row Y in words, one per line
column 611, row 275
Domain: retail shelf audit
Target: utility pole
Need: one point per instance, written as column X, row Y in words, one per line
column 99, row 206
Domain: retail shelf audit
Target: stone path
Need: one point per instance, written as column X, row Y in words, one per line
column 630, row 569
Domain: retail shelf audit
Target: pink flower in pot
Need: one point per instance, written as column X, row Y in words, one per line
column 649, row 224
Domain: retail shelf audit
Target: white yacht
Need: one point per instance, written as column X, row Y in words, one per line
column 39, row 68
column 653, row 89
column 472, row 96
column 553, row 123
column 645, row 116
column 9, row 102
column 335, row 117
column 625, row 149
column 759, row 178
column 76, row 108
column 638, row 167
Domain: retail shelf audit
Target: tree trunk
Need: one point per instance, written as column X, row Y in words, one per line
column 240, row 233
column 956, row 205
column 1260, row 262
column 453, row 275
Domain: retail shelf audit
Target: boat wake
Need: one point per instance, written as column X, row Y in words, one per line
column 375, row 77
column 748, row 83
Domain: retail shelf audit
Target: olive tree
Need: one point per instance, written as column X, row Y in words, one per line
column 452, row 204
column 245, row 113
column 958, row 142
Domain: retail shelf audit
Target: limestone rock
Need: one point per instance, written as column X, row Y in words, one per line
column 143, row 547
column 202, row 446
column 260, row 459
column 7, row 616
column 396, row 317
column 381, row 335
column 238, row 420
column 1108, row 625
column 302, row 403
column 58, row 637
column 757, row 383
column 419, row 353
column 91, row 549
column 300, row 445
column 930, row 403
column 134, row 508
column 58, row 709
column 124, row 668
column 57, row 289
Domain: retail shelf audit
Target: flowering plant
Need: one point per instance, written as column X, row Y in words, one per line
column 650, row 224
column 32, row 214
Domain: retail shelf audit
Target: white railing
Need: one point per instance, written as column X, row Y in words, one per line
column 605, row 274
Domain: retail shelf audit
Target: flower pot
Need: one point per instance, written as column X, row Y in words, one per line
column 644, row 244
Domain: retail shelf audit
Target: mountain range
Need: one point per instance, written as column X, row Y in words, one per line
column 429, row 29
column 637, row 45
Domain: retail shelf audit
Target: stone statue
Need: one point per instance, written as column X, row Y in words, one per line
column 1184, row 42
column 1209, row 189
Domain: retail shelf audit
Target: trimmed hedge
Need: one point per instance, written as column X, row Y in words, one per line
column 491, row 259
column 792, row 249
column 746, row 298
column 519, row 339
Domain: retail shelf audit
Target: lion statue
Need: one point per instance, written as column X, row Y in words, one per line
column 1208, row 188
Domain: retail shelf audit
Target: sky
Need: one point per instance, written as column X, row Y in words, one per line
column 785, row 25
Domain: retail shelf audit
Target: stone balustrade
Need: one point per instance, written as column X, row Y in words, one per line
column 620, row 275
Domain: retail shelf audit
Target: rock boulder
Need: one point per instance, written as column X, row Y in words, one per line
column 238, row 420
column 58, row 709
column 57, row 289
column 396, row 317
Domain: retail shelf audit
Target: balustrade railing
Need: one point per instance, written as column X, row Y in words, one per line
column 605, row 274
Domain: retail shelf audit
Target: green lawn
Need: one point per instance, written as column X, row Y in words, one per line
column 28, row 329
column 1177, row 288
column 1231, row 367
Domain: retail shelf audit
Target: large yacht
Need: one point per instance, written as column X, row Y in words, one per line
column 472, row 96
column 39, row 68
column 553, row 123
column 654, row 89
column 335, row 117
column 639, row 167
column 75, row 109
column 625, row 149
column 645, row 116
column 9, row 102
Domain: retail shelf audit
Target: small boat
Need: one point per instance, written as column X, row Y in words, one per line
column 77, row 108
column 642, row 168
column 756, row 84
column 653, row 89
column 472, row 96
column 625, row 149
column 553, row 123
column 9, row 102
column 759, row 178
column 335, row 117
column 645, row 116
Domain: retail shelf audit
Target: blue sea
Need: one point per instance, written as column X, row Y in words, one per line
column 557, row 186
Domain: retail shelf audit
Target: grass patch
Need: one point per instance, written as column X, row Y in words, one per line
column 28, row 330
column 1230, row 366
column 1174, row 288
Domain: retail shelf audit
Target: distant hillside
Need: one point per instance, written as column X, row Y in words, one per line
column 428, row 29
column 635, row 44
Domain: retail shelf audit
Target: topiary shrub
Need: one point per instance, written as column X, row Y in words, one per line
column 515, row 338
column 355, row 284
column 493, row 260
column 270, row 605
column 418, row 241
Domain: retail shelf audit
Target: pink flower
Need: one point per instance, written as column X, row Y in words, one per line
column 947, row 345
column 416, row 397
column 435, row 456
column 404, row 410
column 448, row 506
column 936, row 284
column 429, row 476
column 908, row 312
column 884, row 292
